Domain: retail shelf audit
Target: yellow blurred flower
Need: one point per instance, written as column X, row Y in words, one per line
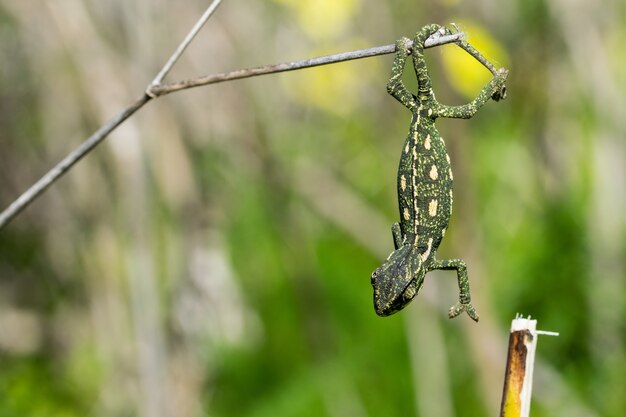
column 335, row 88
column 466, row 75
column 322, row 19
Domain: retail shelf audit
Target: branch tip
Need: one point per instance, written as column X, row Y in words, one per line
column 157, row 89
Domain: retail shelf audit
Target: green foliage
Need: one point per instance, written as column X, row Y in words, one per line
column 213, row 257
column 36, row 387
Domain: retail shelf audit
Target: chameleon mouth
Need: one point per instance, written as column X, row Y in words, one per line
column 392, row 302
column 394, row 281
column 384, row 310
column 385, row 313
column 390, row 309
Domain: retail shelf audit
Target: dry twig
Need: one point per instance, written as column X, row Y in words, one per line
column 157, row 89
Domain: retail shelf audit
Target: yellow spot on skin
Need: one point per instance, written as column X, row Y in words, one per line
column 433, row 174
column 432, row 208
column 430, row 112
column 427, row 142
column 403, row 183
column 448, row 158
column 406, row 148
column 416, row 209
column 443, row 232
column 426, row 254
column 409, row 292
column 451, row 177
column 406, row 214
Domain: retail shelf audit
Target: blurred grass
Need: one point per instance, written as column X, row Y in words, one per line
column 213, row 256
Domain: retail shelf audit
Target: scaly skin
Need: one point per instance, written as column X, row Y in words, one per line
column 424, row 187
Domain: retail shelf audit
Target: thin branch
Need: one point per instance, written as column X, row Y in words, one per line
column 59, row 169
column 163, row 89
column 83, row 149
column 154, row 91
column 185, row 43
column 479, row 57
column 51, row 176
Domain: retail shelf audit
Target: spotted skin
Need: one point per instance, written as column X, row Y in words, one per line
column 424, row 186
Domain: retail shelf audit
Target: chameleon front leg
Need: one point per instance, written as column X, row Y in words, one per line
column 465, row 299
column 396, row 232
column 498, row 95
column 494, row 89
column 395, row 86
column 424, row 86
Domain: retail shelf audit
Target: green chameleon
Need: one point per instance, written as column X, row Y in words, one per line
column 424, row 185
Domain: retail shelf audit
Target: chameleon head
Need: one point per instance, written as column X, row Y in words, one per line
column 397, row 280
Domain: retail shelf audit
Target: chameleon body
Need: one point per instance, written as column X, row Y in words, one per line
column 424, row 186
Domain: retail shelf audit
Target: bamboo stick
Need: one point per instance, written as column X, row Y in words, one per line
column 518, row 377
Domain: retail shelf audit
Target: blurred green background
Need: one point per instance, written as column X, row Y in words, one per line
column 213, row 256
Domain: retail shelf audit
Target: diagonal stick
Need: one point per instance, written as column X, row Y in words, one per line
column 154, row 91
column 185, row 43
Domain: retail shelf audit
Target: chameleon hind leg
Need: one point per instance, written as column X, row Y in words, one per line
column 397, row 235
column 465, row 299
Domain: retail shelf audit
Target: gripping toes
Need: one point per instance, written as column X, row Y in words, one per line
column 499, row 92
column 459, row 307
column 403, row 44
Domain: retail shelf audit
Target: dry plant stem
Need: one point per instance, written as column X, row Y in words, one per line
column 185, row 43
column 477, row 55
column 154, row 91
column 161, row 90
column 55, row 173
column 520, row 363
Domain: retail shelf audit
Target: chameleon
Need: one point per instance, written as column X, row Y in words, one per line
column 424, row 185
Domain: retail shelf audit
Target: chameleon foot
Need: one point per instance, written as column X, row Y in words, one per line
column 459, row 307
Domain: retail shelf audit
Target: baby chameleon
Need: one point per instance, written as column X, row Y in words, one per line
column 424, row 186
